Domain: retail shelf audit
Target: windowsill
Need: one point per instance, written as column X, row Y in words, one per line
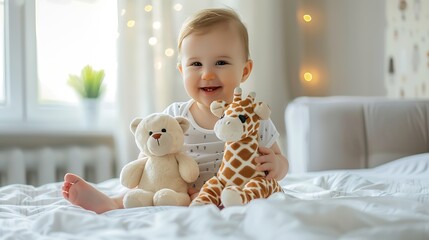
column 55, row 129
column 61, row 129
column 34, row 135
column 62, row 124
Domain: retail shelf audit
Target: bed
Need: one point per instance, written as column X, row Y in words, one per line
column 387, row 201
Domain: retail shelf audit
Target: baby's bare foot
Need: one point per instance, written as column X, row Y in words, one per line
column 79, row 192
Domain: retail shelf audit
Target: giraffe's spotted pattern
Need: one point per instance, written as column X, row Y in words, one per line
column 237, row 171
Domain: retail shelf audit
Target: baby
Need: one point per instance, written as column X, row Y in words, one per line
column 214, row 59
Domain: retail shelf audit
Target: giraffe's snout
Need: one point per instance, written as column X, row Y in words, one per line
column 229, row 129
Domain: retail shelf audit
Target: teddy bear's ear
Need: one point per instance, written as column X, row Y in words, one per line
column 262, row 110
column 183, row 122
column 218, row 107
column 134, row 124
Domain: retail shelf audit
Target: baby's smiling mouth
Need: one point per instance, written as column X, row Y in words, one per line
column 209, row 89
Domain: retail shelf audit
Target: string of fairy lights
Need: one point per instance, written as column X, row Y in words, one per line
column 156, row 25
column 308, row 76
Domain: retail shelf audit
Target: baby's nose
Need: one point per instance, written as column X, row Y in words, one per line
column 208, row 75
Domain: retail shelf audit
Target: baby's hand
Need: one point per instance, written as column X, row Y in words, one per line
column 193, row 193
column 268, row 162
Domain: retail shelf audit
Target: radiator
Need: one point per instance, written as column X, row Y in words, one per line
column 49, row 164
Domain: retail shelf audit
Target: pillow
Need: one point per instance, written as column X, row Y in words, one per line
column 410, row 165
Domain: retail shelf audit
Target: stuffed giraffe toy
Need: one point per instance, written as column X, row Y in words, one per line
column 237, row 182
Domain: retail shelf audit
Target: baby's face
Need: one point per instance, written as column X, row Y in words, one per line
column 213, row 64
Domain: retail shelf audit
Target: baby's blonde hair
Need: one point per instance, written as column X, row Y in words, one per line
column 206, row 18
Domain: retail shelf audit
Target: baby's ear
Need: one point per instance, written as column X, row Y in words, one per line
column 179, row 67
column 183, row 122
column 218, row 107
column 134, row 124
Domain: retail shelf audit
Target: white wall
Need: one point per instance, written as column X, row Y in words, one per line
column 343, row 46
column 268, row 78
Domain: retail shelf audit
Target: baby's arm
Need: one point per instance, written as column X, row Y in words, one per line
column 193, row 193
column 273, row 161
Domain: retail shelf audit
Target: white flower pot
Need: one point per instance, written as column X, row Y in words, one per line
column 90, row 111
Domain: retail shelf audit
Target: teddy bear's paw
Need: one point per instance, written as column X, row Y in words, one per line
column 230, row 197
column 168, row 197
column 138, row 198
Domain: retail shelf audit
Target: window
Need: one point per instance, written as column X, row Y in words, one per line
column 78, row 33
column 61, row 37
column 2, row 81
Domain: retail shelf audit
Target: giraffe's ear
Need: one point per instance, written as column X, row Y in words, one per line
column 218, row 107
column 262, row 110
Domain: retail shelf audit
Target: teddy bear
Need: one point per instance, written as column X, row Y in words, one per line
column 161, row 174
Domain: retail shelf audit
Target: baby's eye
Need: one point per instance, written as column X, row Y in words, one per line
column 221, row 62
column 196, row 64
column 163, row 130
column 150, row 133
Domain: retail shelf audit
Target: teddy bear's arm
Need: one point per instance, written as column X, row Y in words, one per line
column 132, row 173
column 188, row 168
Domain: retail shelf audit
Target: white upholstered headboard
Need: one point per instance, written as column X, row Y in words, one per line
column 325, row 133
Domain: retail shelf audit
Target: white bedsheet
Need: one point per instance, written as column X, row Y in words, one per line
column 387, row 202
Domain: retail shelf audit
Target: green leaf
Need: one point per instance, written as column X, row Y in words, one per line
column 89, row 84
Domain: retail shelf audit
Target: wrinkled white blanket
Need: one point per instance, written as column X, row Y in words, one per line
column 388, row 202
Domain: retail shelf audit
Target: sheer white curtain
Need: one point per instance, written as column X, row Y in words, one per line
column 148, row 79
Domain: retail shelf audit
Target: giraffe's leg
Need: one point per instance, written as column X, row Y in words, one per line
column 258, row 187
column 232, row 196
column 209, row 193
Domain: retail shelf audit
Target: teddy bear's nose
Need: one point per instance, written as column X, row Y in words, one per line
column 156, row 135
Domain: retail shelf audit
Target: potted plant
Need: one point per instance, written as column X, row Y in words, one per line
column 89, row 86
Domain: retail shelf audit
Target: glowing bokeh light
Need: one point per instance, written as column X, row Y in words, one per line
column 148, row 8
column 307, row 18
column 131, row 23
column 169, row 52
column 308, row 76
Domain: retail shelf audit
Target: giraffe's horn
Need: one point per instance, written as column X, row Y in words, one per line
column 237, row 94
column 251, row 96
